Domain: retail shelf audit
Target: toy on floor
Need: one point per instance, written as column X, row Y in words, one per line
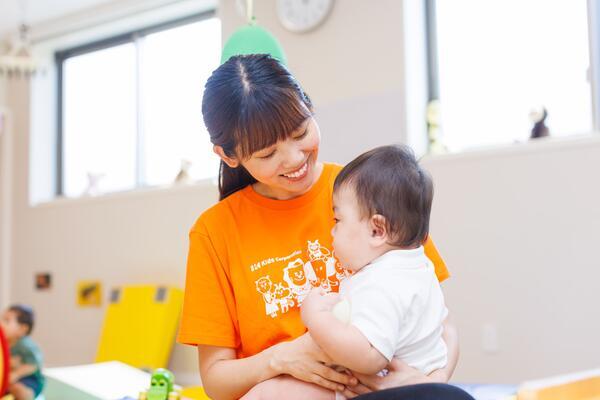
column 161, row 386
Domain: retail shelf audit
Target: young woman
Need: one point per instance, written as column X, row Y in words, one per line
column 256, row 254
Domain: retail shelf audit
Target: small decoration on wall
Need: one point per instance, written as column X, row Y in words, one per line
column 43, row 281
column 89, row 294
column 538, row 116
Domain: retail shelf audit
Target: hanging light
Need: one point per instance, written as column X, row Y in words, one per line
column 18, row 61
column 252, row 39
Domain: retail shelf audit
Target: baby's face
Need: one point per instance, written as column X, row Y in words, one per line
column 13, row 330
column 351, row 232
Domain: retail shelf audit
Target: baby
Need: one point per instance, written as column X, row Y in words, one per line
column 25, row 379
column 392, row 306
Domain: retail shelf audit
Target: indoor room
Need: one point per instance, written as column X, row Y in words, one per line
column 299, row 199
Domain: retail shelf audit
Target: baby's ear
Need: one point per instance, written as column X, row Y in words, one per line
column 378, row 227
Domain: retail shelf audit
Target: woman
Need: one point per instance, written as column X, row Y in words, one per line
column 255, row 255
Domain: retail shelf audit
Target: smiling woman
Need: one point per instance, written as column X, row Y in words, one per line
column 254, row 256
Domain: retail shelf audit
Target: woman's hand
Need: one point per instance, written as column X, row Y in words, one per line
column 399, row 374
column 303, row 359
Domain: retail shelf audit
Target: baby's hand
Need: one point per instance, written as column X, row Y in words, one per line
column 318, row 300
column 15, row 362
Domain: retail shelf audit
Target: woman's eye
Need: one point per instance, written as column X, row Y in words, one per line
column 336, row 220
column 267, row 156
column 302, row 136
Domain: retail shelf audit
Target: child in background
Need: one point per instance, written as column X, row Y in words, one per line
column 393, row 305
column 26, row 380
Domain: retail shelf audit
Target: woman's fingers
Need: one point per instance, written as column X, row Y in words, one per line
column 371, row 382
column 356, row 390
column 319, row 380
column 335, row 376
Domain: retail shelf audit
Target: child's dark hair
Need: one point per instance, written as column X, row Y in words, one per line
column 250, row 102
column 24, row 314
column 389, row 181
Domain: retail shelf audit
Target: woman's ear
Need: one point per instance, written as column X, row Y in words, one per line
column 379, row 233
column 232, row 162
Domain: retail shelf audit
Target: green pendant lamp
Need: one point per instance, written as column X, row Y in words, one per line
column 252, row 39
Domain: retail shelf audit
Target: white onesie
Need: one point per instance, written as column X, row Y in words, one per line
column 397, row 303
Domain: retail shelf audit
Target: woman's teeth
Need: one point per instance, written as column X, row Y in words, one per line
column 298, row 173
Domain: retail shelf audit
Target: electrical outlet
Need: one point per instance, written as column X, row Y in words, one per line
column 489, row 338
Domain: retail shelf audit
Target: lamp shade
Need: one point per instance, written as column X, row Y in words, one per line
column 252, row 39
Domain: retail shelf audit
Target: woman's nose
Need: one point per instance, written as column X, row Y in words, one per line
column 293, row 154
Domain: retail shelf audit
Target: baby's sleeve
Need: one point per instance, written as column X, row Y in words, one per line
column 208, row 315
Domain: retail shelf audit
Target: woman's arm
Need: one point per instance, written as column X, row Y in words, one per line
column 450, row 336
column 225, row 377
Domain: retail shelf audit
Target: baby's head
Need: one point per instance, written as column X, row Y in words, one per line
column 381, row 202
column 17, row 322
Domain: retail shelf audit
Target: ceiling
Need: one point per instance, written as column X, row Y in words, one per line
column 36, row 11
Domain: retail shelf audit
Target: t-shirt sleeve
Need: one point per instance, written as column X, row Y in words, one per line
column 208, row 313
column 377, row 316
column 27, row 355
column 432, row 253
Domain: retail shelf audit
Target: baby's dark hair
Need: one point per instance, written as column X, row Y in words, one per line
column 389, row 181
column 24, row 314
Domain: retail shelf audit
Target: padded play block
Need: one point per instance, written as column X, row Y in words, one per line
column 102, row 381
column 579, row 386
column 140, row 325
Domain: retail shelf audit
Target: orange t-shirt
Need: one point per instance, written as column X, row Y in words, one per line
column 251, row 262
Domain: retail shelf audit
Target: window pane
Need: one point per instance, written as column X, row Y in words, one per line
column 500, row 59
column 176, row 64
column 99, row 120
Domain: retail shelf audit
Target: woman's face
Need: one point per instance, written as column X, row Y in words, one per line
column 288, row 168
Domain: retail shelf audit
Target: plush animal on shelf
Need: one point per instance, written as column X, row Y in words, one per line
column 538, row 117
column 161, row 386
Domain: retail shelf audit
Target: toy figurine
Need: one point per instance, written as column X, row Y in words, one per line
column 161, row 387
column 538, row 117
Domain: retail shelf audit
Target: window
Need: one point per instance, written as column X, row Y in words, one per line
column 494, row 61
column 130, row 107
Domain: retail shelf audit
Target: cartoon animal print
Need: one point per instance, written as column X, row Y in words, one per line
column 295, row 276
column 283, row 297
column 340, row 274
column 316, row 251
column 318, row 272
column 265, row 287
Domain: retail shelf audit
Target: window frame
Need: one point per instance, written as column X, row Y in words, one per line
column 134, row 37
column 593, row 10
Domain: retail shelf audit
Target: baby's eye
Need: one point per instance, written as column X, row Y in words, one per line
column 336, row 220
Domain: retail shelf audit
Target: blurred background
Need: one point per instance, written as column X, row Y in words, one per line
column 100, row 111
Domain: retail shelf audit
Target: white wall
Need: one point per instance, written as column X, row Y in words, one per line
column 517, row 229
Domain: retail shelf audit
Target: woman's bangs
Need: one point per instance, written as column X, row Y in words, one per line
column 268, row 118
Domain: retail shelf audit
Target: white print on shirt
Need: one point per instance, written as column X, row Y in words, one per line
column 295, row 276
column 299, row 277
column 265, row 287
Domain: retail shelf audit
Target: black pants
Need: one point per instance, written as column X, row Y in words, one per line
column 426, row 391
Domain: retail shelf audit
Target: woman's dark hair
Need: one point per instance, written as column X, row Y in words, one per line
column 250, row 102
column 389, row 181
column 24, row 315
